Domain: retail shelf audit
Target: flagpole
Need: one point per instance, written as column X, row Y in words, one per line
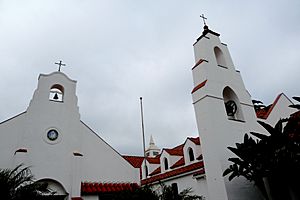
column 143, row 130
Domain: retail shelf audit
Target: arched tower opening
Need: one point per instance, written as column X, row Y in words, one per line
column 56, row 93
column 219, row 57
column 232, row 104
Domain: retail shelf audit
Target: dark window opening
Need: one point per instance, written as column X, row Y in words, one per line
column 166, row 163
column 191, row 154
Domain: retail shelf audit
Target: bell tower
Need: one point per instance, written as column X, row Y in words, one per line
column 224, row 113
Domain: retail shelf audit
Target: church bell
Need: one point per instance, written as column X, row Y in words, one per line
column 55, row 96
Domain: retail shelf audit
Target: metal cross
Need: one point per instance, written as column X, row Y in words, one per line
column 204, row 18
column 60, row 64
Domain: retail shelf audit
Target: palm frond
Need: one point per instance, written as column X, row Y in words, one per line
column 269, row 128
column 297, row 98
column 259, row 135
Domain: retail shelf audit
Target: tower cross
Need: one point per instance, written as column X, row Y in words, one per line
column 204, row 18
column 60, row 64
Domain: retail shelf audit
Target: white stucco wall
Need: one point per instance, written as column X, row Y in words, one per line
column 55, row 159
column 102, row 163
column 216, row 130
column 198, row 186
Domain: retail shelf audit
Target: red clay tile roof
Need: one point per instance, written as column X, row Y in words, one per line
column 135, row 161
column 157, row 171
column 264, row 113
column 199, row 86
column 200, row 172
column 155, row 160
column 261, row 113
column 96, row 188
column 76, row 198
column 195, row 140
column 174, row 172
column 179, row 163
column 177, row 151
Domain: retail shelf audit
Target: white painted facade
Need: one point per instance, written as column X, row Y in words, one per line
column 217, row 82
column 217, row 130
column 78, row 154
column 185, row 168
column 198, row 186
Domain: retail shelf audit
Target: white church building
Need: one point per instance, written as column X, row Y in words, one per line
column 224, row 113
column 77, row 163
column 61, row 149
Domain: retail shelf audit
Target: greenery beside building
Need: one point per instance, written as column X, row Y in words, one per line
column 271, row 161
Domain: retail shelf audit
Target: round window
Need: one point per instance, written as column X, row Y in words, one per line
column 52, row 135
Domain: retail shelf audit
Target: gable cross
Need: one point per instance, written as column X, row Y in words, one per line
column 60, row 64
column 204, row 18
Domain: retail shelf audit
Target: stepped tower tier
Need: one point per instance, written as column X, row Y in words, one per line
column 224, row 113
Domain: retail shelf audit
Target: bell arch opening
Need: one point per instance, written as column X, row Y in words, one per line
column 56, row 93
column 232, row 105
column 219, row 57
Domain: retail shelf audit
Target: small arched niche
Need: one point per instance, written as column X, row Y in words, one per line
column 56, row 93
column 220, row 57
column 232, row 105
column 166, row 164
column 191, row 154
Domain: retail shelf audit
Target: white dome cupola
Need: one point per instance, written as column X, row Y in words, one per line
column 152, row 150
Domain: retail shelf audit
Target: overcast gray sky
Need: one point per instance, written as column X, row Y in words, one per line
column 119, row 50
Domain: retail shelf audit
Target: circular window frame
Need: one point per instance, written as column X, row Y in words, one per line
column 49, row 141
column 52, row 137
